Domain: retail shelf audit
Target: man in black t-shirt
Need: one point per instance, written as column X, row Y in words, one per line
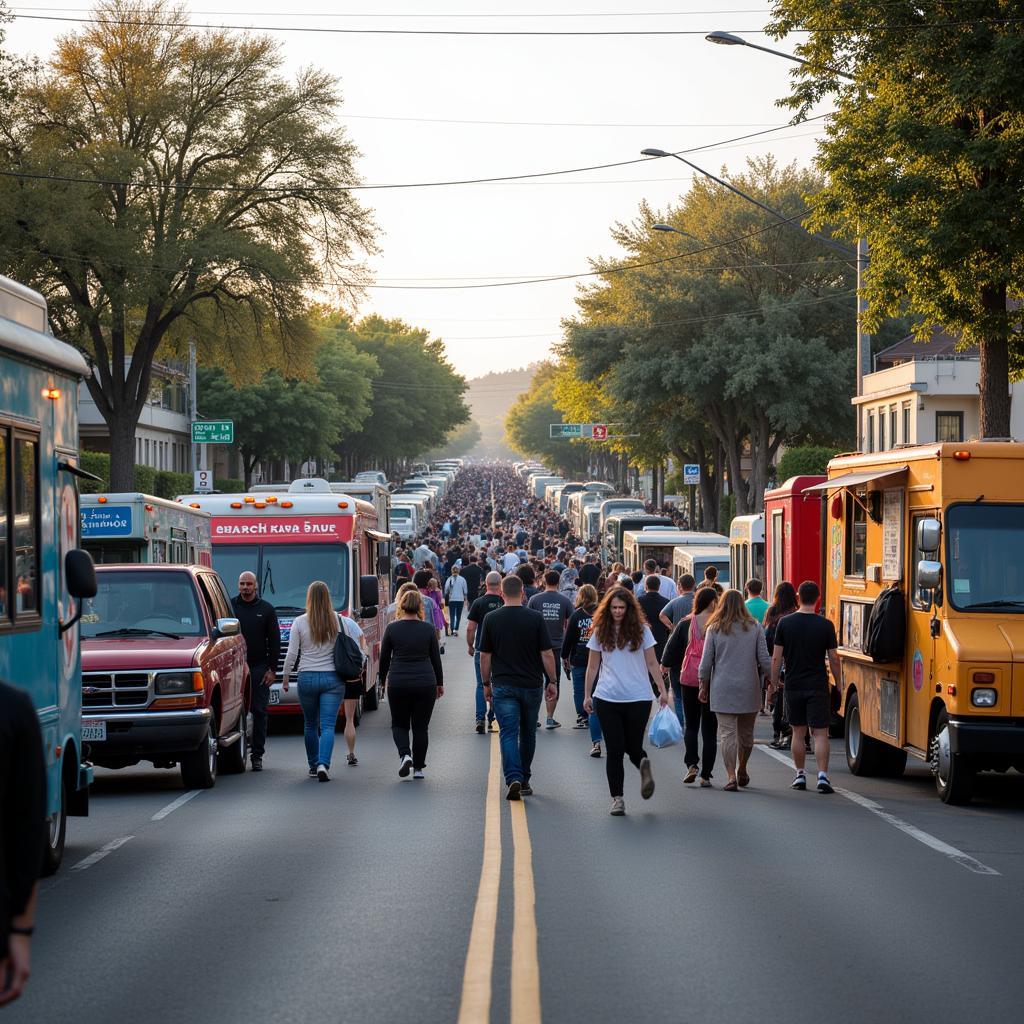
column 472, row 574
column 488, row 602
column 515, row 660
column 803, row 641
column 591, row 572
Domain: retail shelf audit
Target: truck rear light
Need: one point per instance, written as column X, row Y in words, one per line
column 984, row 697
column 951, row 689
column 984, row 678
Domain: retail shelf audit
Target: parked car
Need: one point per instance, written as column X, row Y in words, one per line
column 164, row 677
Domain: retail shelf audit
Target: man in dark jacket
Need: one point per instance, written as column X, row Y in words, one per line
column 22, row 835
column 472, row 574
column 258, row 621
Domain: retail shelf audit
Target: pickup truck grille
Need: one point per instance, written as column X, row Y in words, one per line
column 115, row 689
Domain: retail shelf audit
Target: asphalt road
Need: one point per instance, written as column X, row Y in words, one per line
column 370, row 898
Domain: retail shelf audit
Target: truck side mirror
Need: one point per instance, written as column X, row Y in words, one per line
column 369, row 592
column 226, row 627
column 929, row 574
column 80, row 573
column 929, row 534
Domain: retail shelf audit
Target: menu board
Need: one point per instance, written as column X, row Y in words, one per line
column 892, row 534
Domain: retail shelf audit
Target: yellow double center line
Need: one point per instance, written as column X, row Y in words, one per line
column 475, row 1007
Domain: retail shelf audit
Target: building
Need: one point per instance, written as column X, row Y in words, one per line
column 163, row 436
column 922, row 392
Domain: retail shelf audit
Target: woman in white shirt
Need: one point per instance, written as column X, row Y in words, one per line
column 321, row 692
column 622, row 664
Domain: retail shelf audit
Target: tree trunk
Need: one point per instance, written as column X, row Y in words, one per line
column 994, row 371
column 121, row 424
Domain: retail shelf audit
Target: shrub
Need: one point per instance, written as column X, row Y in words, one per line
column 804, row 460
column 169, row 485
column 227, row 485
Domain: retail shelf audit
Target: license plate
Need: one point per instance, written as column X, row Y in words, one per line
column 94, row 730
column 275, row 697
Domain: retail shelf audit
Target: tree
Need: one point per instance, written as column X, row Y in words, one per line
column 460, row 441
column 925, row 157
column 528, row 425
column 804, row 460
column 175, row 184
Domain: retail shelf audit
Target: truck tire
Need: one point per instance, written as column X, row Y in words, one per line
column 56, row 832
column 954, row 773
column 233, row 758
column 199, row 768
column 864, row 755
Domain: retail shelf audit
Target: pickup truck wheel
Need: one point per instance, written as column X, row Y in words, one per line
column 232, row 759
column 954, row 774
column 199, row 768
column 56, row 832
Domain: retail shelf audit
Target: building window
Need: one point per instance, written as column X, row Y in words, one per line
column 906, row 423
column 881, row 430
column 949, row 426
column 871, row 431
column 893, row 436
column 856, row 533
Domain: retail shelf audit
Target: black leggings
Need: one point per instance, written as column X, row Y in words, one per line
column 699, row 718
column 623, row 724
column 411, row 707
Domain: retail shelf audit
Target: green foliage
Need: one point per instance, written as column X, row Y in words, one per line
column 97, row 463
column 924, row 155
column 161, row 483
column 167, row 484
column 804, row 460
column 726, row 514
column 460, row 441
column 227, row 485
column 242, row 206
column 528, row 425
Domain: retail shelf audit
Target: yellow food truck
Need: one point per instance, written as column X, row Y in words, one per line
column 944, row 525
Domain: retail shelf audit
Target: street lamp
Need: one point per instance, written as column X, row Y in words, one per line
column 730, row 39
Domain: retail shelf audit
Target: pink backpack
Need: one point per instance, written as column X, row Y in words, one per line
column 691, row 659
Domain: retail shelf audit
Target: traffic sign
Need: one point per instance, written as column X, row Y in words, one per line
column 599, row 431
column 203, row 481
column 691, row 473
column 569, row 430
column 213, row 431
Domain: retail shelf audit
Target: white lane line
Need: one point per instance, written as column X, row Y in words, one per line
column 95, row 858
column 175, row 804
column 955, row 855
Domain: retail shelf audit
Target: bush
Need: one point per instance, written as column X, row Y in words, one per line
column 97, row 463
column 169, row 485
column 227, row 485
column 726, row 513
column 805, row 460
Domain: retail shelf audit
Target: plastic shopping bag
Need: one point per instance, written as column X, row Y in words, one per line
column 665, row 730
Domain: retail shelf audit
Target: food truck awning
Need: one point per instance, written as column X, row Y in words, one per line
column 866, row 476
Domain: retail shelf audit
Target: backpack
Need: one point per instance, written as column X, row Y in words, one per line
column 691, row 659
column 887, row 626
column 348, row 659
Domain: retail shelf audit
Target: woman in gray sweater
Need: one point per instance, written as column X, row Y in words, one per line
column 734, row 661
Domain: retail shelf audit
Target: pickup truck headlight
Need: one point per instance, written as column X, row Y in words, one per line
column 174, row 682
column 983, row 697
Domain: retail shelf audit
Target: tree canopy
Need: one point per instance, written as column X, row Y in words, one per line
column 924, row 156
column 172, row 184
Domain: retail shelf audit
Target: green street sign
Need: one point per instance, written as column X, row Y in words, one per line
column 213, row 432
column 570, row 430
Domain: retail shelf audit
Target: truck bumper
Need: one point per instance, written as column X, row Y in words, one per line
column 1002, row 736
column 141, row 735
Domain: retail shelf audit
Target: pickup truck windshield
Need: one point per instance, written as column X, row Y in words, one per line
column 134, row 604
column 986, row 558
column 285, row 571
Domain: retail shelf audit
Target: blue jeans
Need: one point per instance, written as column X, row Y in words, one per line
column 579, row 680
column 481, row 703
column 320, row 696
column 517, row 708
column 455, row 614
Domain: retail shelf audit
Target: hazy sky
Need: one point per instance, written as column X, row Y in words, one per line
column 423, row 108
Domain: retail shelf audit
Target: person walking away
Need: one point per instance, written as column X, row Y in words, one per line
column 473, row 576
column 258, row 621
column 734, row 660
column 410, row 667
column 515, row 660
column 620, row 665
column 455, row 592
column 591, row 571
column 555, row 608
column 785, row 603
column 482, row 606
column 652, row 604
column 321, row 692
column 681, row 606
column 700, row 724
column 756, row 604
column 575, row 656
column 434, row 592
column 803, row 641
column 22, row 835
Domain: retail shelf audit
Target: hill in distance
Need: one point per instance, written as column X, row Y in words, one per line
column 490, row 397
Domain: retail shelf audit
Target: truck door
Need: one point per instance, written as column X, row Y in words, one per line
column 920, row 670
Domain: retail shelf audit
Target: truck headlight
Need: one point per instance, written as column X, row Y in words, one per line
column 983, row 697
column 173, row 682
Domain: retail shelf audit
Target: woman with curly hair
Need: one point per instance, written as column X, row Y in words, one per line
column 621, row 662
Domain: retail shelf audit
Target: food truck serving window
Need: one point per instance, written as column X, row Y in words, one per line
column 856, row 533
column 985, row 557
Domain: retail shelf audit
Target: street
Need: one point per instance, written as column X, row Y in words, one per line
column 275, row 897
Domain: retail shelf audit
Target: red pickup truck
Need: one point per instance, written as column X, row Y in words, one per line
column 164, row 677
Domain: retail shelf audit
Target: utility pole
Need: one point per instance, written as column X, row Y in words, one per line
column 192, row 399
column 863, row 338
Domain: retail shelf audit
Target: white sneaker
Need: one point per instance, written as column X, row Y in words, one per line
column 405, row 767
column 321, row 773
column 618, row 806
column 418, row 774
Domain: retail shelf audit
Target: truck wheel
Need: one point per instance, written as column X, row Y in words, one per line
column 894, row 762
column 56, row 832
column 232, row 759
column 199, row 768
column 954, row 773
column 864, row 755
